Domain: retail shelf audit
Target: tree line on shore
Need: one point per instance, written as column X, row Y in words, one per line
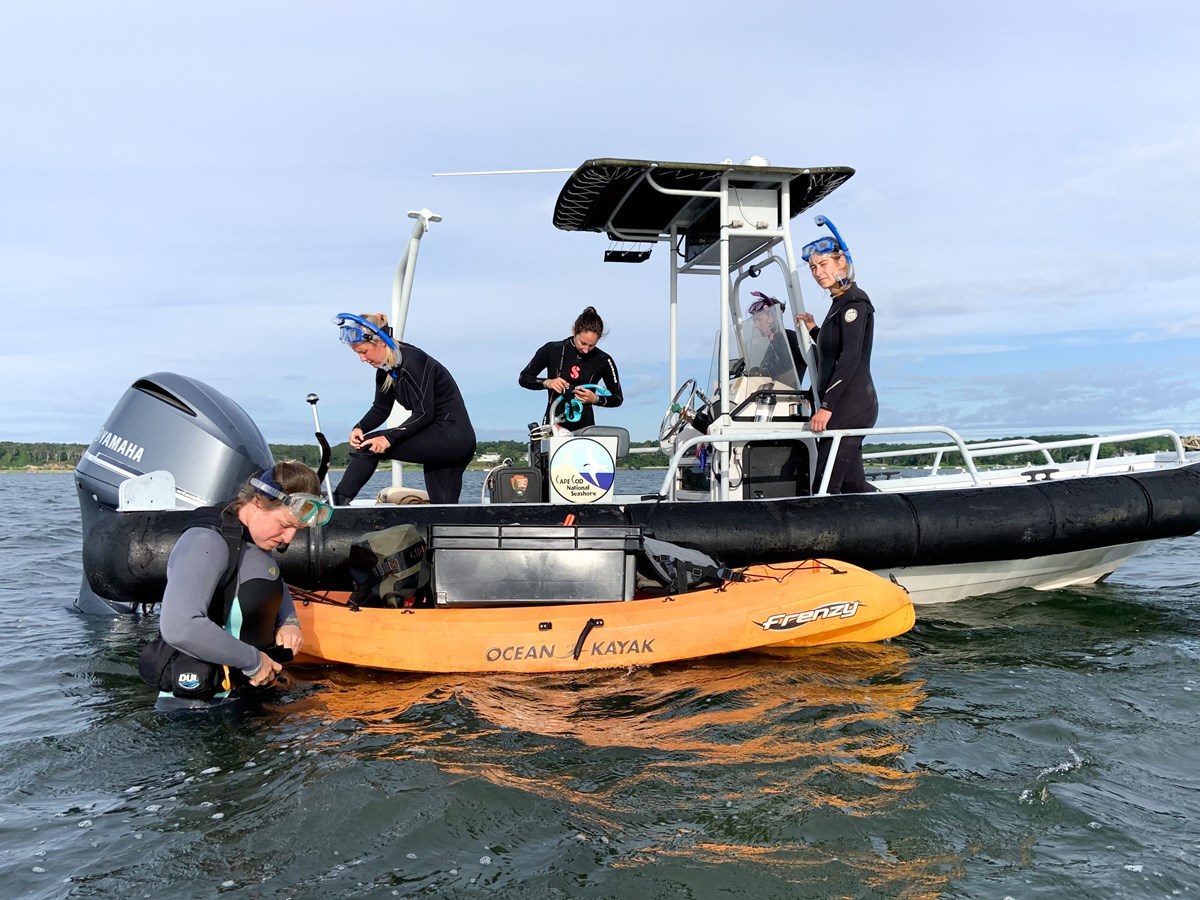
column 43, row 455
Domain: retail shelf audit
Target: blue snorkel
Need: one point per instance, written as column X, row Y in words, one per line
column 573, row 409
column 824, row 245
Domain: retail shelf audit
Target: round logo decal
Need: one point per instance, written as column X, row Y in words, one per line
column 851, row 315
column 582, row 470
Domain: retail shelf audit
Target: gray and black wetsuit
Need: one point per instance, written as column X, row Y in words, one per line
column 195, row 581
column 844, row 343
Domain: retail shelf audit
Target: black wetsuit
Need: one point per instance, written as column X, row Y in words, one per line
column 438, row 434
column 561, row 359
column 782, row 354
column 844, row 375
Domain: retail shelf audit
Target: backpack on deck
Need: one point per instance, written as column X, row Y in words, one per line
column 390, row 568
column 681, row 569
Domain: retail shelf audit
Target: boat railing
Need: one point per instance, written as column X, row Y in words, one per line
column 741, row 435
column 986, row 449
column 969, row 453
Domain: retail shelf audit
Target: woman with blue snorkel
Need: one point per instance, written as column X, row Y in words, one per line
column 844, row 342
column 438, row 432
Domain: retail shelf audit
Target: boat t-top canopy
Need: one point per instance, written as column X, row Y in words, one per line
column 637, row 200
column 723, row 219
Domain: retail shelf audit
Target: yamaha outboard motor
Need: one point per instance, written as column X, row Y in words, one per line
column 166, row 423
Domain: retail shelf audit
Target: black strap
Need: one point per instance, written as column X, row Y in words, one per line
column 221, row 603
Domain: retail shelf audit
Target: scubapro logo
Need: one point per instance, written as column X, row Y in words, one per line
column 188, row 681
column 788, row 621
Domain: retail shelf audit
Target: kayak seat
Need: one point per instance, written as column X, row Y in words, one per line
column 621, row 434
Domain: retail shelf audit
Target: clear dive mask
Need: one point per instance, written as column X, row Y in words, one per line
column 819, row 247
column 308, row 508
column 354, row 329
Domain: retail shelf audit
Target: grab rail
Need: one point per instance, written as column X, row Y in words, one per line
column 968, row 452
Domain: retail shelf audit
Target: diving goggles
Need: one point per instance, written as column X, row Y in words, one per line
column 820, row 247
column 354, row 329
column 765, row 302
column 308, row 508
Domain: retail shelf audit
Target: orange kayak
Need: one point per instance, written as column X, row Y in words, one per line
column 802, row 604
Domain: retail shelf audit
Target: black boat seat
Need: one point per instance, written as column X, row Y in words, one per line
column 621, row 434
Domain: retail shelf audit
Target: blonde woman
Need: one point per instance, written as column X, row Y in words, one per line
column 844, row 341
column 437, row 434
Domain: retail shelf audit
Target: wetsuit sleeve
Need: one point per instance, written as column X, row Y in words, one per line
column 381, row 408
column 287, row 610
column 530, row 377
column 612, row 381
column 194, row 570
column 850, row 356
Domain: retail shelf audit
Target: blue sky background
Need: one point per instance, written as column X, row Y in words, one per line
column 200, row 187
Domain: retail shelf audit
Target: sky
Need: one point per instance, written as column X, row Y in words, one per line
column 199, row 188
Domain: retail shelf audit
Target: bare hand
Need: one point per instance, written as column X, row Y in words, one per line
column 806, row 321
column 356, row 436
column 267, row 670
column 820, row 420
column 586, row 396
column 289, row 636
column 558, row 385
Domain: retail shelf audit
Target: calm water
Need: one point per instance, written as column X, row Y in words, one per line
column 1026, row 745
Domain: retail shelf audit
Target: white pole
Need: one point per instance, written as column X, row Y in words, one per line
column 401, row 295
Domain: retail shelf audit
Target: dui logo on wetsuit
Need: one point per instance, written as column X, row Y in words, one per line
column 851, row 315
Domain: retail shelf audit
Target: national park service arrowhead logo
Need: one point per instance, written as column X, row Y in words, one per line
column 519, row 484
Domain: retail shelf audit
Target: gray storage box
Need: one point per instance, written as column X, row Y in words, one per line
column 494, row 565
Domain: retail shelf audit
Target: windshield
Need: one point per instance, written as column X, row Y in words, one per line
column 770, row 351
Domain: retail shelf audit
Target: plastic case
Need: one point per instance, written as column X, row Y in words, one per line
column 498, row 565
column 517, row 484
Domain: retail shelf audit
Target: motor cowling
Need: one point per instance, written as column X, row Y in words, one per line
column 167, row 422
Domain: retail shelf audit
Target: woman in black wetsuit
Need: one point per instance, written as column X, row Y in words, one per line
column 438, row 432
column 843, row 340
column 572, row 362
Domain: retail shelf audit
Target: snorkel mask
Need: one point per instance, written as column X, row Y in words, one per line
column 354, row 329
column 772, row 307
column 308, row 508
column 764, row 302
column 824, row 245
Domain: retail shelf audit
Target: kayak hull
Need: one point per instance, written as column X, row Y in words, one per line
column 801, row 604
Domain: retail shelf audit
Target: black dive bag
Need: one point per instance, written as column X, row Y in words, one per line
column 175, row 672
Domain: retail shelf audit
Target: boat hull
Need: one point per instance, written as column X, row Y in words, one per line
column 800, row 605
column 1025, row 533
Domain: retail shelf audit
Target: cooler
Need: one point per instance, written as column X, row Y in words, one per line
column 498, row 565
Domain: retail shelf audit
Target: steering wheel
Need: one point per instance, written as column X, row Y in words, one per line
column 683, row 409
